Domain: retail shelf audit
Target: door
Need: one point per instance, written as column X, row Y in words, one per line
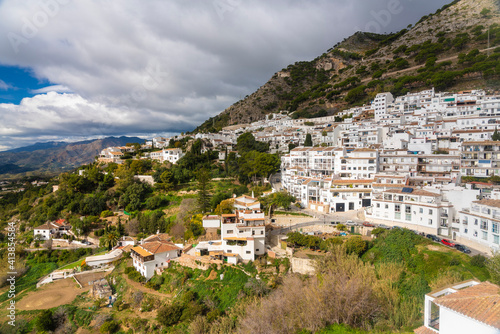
column 340, row 207
column 366, row 202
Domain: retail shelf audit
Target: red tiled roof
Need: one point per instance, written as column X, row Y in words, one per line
column 480, row 302
column 424, row 330
column 156, row 247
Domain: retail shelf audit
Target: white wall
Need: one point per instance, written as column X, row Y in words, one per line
column 451, row 322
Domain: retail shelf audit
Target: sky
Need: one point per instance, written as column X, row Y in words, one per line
column 74, row 70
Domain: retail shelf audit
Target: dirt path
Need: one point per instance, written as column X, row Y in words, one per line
column 51, row 295
column 140, row 287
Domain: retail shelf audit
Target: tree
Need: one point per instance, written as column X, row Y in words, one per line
column 341, row 227
column 169, row 315
column 246, row 142
column 203, row 178
column 495, row 136
column 109, row 240
column 355, row 245
column 44, row 321
column 226, row 206
column 308, row 141
column 120, row 229
column 493, row 265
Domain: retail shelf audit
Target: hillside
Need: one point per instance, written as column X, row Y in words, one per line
column 39, row 160
column 435, row 52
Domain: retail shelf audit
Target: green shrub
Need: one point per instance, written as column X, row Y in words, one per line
column 478, row 261
column 169, row 315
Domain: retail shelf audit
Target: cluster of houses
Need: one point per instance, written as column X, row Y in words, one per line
column 405, row 164
column 51, row 230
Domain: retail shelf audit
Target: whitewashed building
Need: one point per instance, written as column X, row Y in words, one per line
column 467, row 307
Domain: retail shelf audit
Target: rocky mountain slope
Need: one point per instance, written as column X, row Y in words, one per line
column 49, row 161
column 438, row 51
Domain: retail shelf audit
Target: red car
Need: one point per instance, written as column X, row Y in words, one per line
column 448, row 242
column 368, row 224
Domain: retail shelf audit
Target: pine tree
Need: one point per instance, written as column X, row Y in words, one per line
column 308, row 141
column 203, row 178
column 495, row 136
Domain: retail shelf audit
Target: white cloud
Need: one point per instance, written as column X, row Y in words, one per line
column 53, row 88
column 173, row 63
column 4, row 86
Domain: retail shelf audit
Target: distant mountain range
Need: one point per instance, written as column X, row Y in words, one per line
column 51, row 158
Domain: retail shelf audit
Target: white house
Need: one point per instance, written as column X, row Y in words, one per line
column 463, row 308
column 414, row 208
column 43, row 232
column 211, row 221
column 153, row 255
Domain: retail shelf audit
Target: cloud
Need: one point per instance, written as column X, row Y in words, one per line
column 174, row 63
column 53, row 88
column 4, row 86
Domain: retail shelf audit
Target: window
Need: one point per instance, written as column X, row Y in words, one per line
column 248, row 252
column 430, row 221
column 261, row 232
column 229, row 231
column 430, row 211
column 475, row 222
column 397, row 208
column 421, row 210
column 387, row 206
column 257, row 250
column 408, row 209
column 378, row 205
column 229, row 251
column 496, row 239
column 494, row 227
column 484, row 224
column 485, row 235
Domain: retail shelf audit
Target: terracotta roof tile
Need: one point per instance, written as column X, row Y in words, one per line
column 424, row 330
column 480, row 302
column 156, row 247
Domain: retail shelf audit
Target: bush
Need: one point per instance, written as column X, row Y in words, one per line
column 478, row 261
column 44, row 321
column 169, row 315
column 355, row 245
column 109, row 327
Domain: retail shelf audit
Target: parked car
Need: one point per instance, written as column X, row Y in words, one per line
column 433, row 237
column 462, row 248
column 368, row 224
column 351, row 223
column 384, row 226
column 447, row 242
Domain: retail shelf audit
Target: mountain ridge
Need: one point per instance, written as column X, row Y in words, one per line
column 28, row 161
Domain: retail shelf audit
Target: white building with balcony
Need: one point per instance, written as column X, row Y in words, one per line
column 150, row 256
column 480, row 224
column 413, row 208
